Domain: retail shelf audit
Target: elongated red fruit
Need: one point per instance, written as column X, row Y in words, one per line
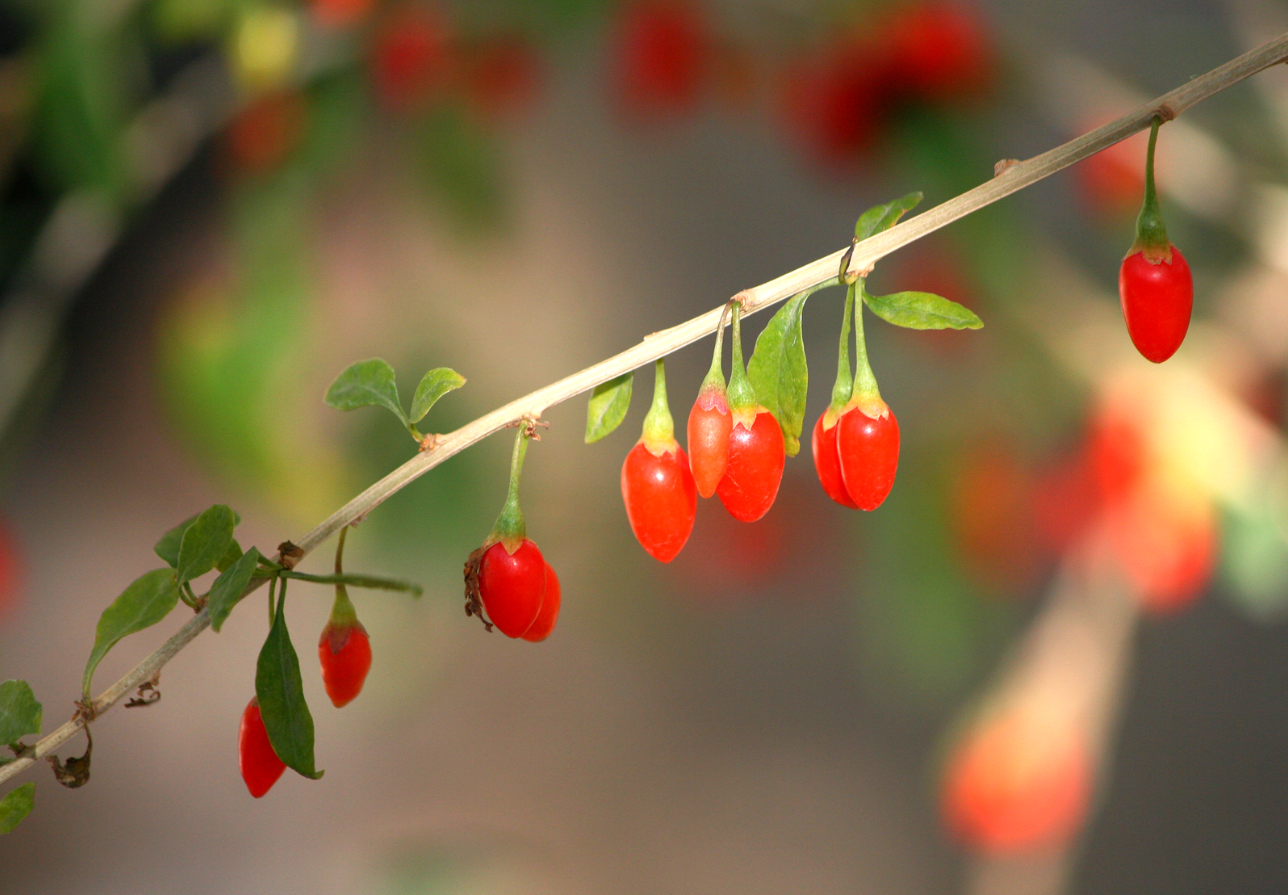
column 827, row 462
column 1154, row 281
column 345, row 654
column 756, row 460
column 549, row 614
column 1157, row 299
column 260, row 766
column 657, row 486
column 512, row 586
column 709, row 426
column 868, row 447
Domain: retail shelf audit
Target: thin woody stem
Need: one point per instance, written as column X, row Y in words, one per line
column 1010, row 178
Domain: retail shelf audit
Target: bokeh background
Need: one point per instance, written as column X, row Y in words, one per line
column 1054, row 661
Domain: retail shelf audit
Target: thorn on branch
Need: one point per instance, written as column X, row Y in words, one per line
column 289, row 555
column 473, row 602
column 75, row 773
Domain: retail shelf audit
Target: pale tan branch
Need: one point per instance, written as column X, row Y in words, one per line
column 1011, row 177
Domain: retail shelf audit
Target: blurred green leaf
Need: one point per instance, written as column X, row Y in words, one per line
column 205, row 542
column 462, row 167
column 368, row 383
column 779, row 373
column 144, row 603
column 20, row 713
column 433, row 385
column 883, row 217
column 16, row 805
column 229, row 587
column 281, row 697
column 922, row 310
column 608, row 405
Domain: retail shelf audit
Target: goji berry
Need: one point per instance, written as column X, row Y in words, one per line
column 827, row 460
column 506, row 577
column 709, row 426
column 657, row 486
column 260, row 766
column 867, row 438
column 344, row 650
column 756, row 451
column 1154, row 281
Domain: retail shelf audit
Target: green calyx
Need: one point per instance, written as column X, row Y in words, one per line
column 844, row 386
column 510, row 528
column 659, row 427
column 742, row 395
column 865, row 391
column 1151, row 234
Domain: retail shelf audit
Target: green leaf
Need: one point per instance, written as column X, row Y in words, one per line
column 231, row 555
column 205, row 542
column 19, row 711
column 368, row 383
column 168, row 547
column 608, row 405
column 144, row 603
column 922, row 310
column 281, row 698
column 434, row 385
column 229, row 586
column 779, row 373
column 16, row 805
column 883, row 217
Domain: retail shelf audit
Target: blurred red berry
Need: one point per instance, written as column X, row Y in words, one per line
column 992, row 501
column 264, row 133
column 11, row 571
column 412, row 54
column 938, row 51
column 1166, row 546
column 835, row 101
column 659, row 57
column 502, row 77
column 339, row 13
column 1012, row 786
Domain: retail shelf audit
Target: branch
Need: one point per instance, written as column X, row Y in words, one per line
column 1011, row 176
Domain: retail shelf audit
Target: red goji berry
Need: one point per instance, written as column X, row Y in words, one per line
column 657, row 486
column 659, row 55
column 756, row 450
column 709, row 426
column 827, row 460
column 868, row 445
column 260, row 766
column 344, row 650
column 1154, row 281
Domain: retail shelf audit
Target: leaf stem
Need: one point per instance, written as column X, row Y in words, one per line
column 1014, row 178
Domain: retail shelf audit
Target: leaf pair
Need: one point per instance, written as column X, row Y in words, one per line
column 370, row 383
column 190, row 549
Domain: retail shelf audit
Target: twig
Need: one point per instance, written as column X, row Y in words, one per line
column 1012, row 178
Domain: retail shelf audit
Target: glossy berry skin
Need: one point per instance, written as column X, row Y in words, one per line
column 661, row 498
column 260, row 766
column 345, row 654
column 827, row 463
column 512, row 587
column 549, row 614
column 868, row 449
column 755, row 469
column 1156, row 301
column 710, row 423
